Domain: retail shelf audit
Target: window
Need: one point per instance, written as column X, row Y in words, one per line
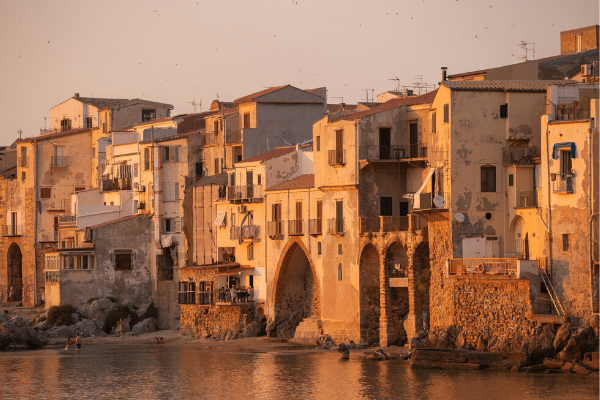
column 199, row 168
column 135, row 170
column 565, row 241
column 403, row 208
column 171, row 225
column 45, row 192
column 259, row 179
column 60, row 156
column 504, row 110
column 170, row 191
column 446, row 113
column 319, row 248
column 276, row 212
column 340, row 250
column 77, row 260
column 565, row 162
column 23, row 159
column 216, row 126
column 65, row 124
column 250, row 251
column 246, row 120
column 318, row 143
column 170, row 153
column 511, row 180
column 187, row 292
column 385, row 206
column 23, row 176
column 148, row 114
column 164, row 266
column 216, row 166
column 239, row 158
column 488, row 178
column 433, row 122
column 88, row 122
column 577, row 43
column 123, row 260
column 339, row 272
column 146, row 159
column 93, row 152
column 205, row 293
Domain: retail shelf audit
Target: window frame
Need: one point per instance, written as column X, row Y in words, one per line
column 504, row 110
column 118, row 254
column 45, row 192
column 446, row 113
column 487, row 186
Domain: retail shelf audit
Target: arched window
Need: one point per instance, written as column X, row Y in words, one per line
column 488, row 178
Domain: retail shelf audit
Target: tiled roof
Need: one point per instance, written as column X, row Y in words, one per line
column 114, row 221
column 302, row 182
column 194, row 122
column 102, row 103
column 251, row 97
column 56, row 135
column 216, row 105
column 278, row 152
column 394, row 103
column 500, row 86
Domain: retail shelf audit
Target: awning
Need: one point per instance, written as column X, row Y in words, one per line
column 233, row 271
column 107, row 169
column 563, row 146
column 220, row 220
column 417, row 195
column 166, row 241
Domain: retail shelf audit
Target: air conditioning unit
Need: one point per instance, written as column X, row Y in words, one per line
column 241, row 209
column 141, row 205
column 586, row 70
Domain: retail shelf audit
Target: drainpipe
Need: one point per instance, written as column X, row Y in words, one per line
column 591, row 205
column 356, row 153
column 35, row 219
column 550, row 240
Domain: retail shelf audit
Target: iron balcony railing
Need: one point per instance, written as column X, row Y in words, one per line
column 60, row 161
column 296, row 227
column 417, row 150
column 337, row 157
column 335, row 226
column 12, row 230
column 244, row 192
column 428, row 203
column 116, row 184
column 67, row 220
column 483, row 266
column 390, row 224
column 527, row 199
column 562, row 183
column 565, row 112
column 248, row 232
column 275, row 229
column 235, row 135
column 315, row 226
column 381, row 152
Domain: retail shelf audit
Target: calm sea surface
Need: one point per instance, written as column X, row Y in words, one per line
column 164, row 372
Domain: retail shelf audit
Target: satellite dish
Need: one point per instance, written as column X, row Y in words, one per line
column 439, row 202
column 460, row 217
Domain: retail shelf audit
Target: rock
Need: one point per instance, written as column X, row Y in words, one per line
column 506, row 365
column 325, row 341
column 562, row 337
column 580, row 369
column 87, row 328
column 481, row 346
column 552, row 363
column 500, row 346
column 534, row 368
column 419, row 341
column 461, row 341
column 379, row 355
column 516, row 343
column 62, row 331
column 97, row 309
column 425, row 317
column 593, row 322
column 578, row 344
column 344, row 351
column 146, row 326
column 75, row 317
column 590, row 360
column 568, row 367
column 16, row 331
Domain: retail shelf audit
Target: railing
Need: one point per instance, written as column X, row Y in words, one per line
column 482, row 266
column 211, row 139
column 22, row 162
column 296, row 227
column 315, row 226
column 389, row 224
column 527, row 199
column 562, row 183
column 381, row 152
column 116, row 184
column 337, row 157
column 564, row 112
column 235, row 135
column 417, row 150
column 427, row 200
column 518, row 155
column 274, row 229
column 60, row 161
column 165, row 274
column 52, row 276
column 248, row 232
column 244, row 192
column 335, row 226
column 67, row 219
column 12, row 230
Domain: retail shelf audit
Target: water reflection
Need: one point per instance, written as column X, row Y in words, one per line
column 163, row 372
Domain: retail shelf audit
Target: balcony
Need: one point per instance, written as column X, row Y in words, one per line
column 384, row 224
column 275, row 229
column 114, row 184
column 245, row 193
column 381, row 152
column 518, row 155
column 67, row 220
column 12, row 230
column 483, row 266
column 315, row 226
column 211, row 139
column 337, row 157
column 417, row 150
column 335, row 226
column 562, row 183
column 60, row 161
column 527, row 199
column 296, row 227
column 235, row 135
column 565, row 112
column 427, row 202
column 249, row 232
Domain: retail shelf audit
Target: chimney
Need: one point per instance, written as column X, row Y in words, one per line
column 76, row 95
column 444, row 73
column 343, row 105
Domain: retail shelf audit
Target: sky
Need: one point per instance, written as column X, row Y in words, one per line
column 177, row 51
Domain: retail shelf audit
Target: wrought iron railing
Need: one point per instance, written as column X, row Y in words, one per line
column 483, row 266
column 296, row 227
column 337, row 157
column 60, row 161
column 335, row 226
column 381, row 152
column 243, row 192
column 315, row 226
column 248, row 232
column 562, row 183
column 417, row 150
column 275, row 229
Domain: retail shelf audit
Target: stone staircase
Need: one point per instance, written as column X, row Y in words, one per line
column 308, row 331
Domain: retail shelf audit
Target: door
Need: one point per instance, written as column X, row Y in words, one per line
column 339, row 147
column 298, row 217
column 249, row 184
column 384, row 143
column 339, row 216
column 414, row 140
column 319, row 217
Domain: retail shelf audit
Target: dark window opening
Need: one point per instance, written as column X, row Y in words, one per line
column 433, row 122
column 511, row 180
column 45, row 193
column 123, row 260
column 65, row 124
column 504, row 110
column 446, row 113
column 199, row 168
column 385, row 206
column 318, row 248
column 403, row 208
column 488, row 216
column 246, row 120
column 88, row 122
column 565, row 241
column 148, row 114
column 488, row 179
column 318, row 143
column 146, row 159
column 187, row 292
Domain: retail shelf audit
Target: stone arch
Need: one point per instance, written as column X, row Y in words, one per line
column 397, row 297
column 296, row 294
column 419, row 287
column 14, row 265
column 517, row 244
column 369, row 272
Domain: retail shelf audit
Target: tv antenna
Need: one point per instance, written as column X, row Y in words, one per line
column 524, row 45
column 20, row 133
column 333, row 97
column 397, row 83
column 367, row 93
column 194, row 104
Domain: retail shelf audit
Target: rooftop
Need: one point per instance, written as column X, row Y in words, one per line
column 301, row 182
column 394, row 103
column 253, row 96
column 278, row 152
column 500, row 86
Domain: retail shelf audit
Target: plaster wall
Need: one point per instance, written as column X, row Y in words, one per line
column 74, row 110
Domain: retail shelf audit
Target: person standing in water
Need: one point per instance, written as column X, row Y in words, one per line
column 78, row 341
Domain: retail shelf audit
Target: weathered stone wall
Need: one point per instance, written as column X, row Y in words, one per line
column 501, row 306
column 206, row 321
column 440, row 250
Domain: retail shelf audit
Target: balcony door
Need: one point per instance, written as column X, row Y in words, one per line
column 339, row 216
column 414, row 140
column 249, row 184
column 339, row 147
column 384, row 143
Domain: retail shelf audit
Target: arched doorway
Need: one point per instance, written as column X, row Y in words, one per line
column 369, row 295
column 14, row 273
column 519, row 245
column 296, row 292
column 421, row 282
column 396, row 267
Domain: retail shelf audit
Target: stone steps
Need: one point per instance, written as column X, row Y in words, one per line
column 308, row 330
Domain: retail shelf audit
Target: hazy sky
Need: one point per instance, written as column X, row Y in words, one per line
column 173, row 51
